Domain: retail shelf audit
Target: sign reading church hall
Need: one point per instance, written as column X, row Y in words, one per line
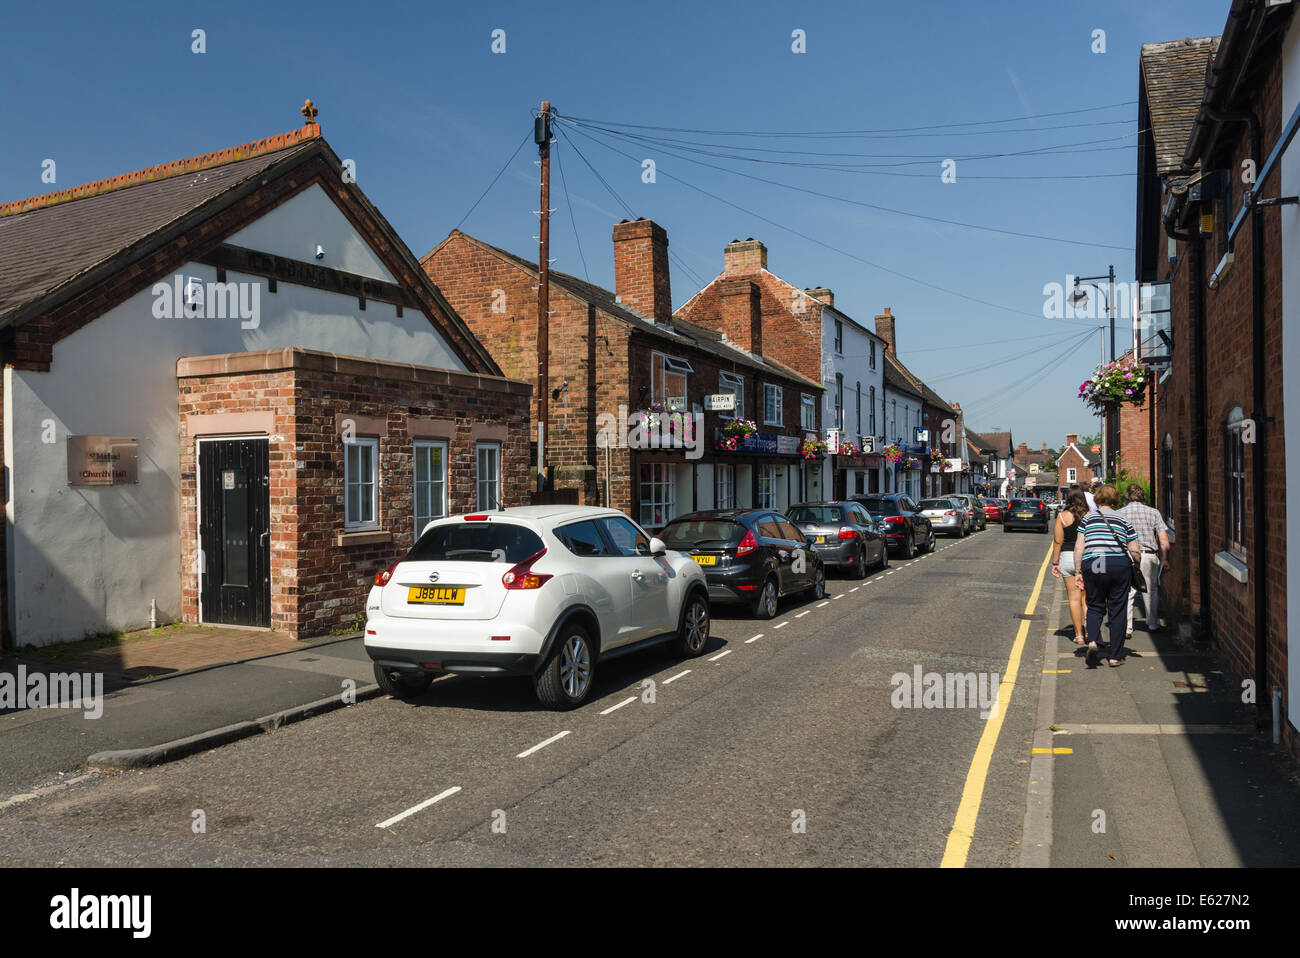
column 102, row 460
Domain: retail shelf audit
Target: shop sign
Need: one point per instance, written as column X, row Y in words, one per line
column 102, row 460
column 720, row 402
column 769, row 443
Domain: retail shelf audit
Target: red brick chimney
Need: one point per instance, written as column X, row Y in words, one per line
column 641, row 268
column 744, row 257
column 823, row 294
column 885, row 330
column 742, row 316
column 1071, row 439
column 1044, row 447
column 1022, row 449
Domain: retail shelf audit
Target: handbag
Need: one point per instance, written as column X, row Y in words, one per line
column 1136, row 579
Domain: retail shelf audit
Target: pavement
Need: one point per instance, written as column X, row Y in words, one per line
column 709, row 761
column 1154, row 764
column 170, row 695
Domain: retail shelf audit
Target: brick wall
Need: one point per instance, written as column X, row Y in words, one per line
column 1231, row 626
column 320, row 576
column 1135, row 438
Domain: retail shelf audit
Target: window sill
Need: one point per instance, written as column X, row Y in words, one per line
column 1233, row 566
column 363, row 537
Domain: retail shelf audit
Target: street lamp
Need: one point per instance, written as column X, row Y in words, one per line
column 1077, row 297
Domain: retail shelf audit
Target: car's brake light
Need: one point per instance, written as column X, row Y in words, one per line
column 847, row 533
column 522, row 576
column 747, row 543
column 381, row 578
column 949, row 512
column 476, row 518
column 895, row 520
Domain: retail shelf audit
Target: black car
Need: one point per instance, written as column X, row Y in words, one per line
column 905, row 527
column 843, row 534
column 1026, row 514
column 749, row 556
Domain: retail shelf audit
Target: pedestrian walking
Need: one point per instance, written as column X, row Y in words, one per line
column 1153, row 540
column 1105, row 552
column 1064, row 534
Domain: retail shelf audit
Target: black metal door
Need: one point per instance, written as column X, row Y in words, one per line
column 235, row 532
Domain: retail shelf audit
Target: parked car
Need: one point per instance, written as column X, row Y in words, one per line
column 543, row 591
column 749, row 556
column 844, row 534
column 905, row 528
column 946, row 515
column 992, row 509
column 978, row 520
column 1026, row 514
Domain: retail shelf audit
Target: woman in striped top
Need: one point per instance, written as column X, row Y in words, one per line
column 1104, row 553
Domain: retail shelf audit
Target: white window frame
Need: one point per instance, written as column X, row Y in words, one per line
column 662, row 487
column 767, row 477
column 421, row 447
column 724, row 486
column 1071, row 474
column 480, row 483
column 839, row 337
column 349, row 481
column 770, row 390
column 808, row 412
column 661, row 367
column 873, row 354
column 731, row 383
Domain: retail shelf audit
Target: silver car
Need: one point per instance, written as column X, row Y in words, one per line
column 976, row 519
column 946, row 516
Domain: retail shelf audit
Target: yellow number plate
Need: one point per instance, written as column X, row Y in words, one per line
column 1024, row 515
column 819, row 538
column 706, row 560
column 435, row 594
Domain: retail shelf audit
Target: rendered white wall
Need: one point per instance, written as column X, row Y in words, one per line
column 297, row 226
column 87, row 559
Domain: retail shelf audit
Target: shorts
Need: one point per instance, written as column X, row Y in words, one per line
column 1067, row 563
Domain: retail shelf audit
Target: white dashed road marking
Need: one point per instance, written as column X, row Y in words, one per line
column 613, row 708
column 677, row 676
column 855, row 588
column 423, row 805
column 839, row 596
column 720, row 655
column 541, row 745
column 754, row 639
column 781, row 625
column 800, row 615
column 822, row 604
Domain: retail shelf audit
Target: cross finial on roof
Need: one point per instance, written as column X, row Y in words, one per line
column 309, row 111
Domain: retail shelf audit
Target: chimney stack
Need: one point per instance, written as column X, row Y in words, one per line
column 823, row 294
column 885, row 330
column 641, row 268
column 744, row 257
column 742, row 317
column 1044, row 447
column 1071, row 438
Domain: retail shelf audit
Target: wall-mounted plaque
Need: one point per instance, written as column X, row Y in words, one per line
column 102, row 460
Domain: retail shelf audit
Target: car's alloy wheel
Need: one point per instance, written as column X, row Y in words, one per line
column 909, row 547
column 818, row 588
column 767, row 600
column 693, row 635
column 884, row 557
column 565, row 680
column 930, row 548
column 860, row 564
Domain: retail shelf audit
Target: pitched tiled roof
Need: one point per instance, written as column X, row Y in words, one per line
column 680, row 331
column 1001, row 441
column 49, row 241
column 1174, row 76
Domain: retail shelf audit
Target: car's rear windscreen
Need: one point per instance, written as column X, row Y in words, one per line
column 935, row 504
column 701, row 533
column 476, row 542
column 829, row 515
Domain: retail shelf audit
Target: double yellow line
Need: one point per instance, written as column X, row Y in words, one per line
column 963, row 829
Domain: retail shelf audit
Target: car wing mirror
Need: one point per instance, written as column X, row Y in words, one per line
column 657, row 547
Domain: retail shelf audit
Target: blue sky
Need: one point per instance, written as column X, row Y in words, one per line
column 413, row 93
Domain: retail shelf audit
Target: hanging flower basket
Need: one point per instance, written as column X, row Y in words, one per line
column 812, row 449
column 912, row 463
column 894, row 455
column 741, row 428
column 847, row 449
column 1122, row 382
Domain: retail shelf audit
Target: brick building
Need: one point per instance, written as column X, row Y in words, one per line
column 822, row 342
column 1218, row 241
column 1075, row 464
column 623, row 369
column 231, row 396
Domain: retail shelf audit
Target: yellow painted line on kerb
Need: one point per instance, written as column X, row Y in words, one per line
column 1052, row 751
column 963, row 828
column 1056, row 671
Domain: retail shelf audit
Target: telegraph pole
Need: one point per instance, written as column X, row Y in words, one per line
column 542, row 137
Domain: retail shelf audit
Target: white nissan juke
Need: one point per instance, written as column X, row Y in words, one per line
column 542, row 591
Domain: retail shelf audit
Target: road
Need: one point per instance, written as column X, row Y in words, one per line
column 781, row 745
